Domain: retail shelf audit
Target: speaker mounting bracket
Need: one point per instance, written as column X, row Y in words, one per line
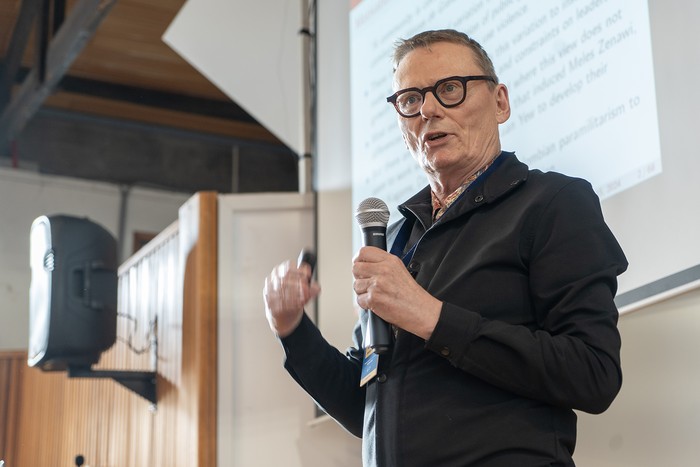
column 142, row 383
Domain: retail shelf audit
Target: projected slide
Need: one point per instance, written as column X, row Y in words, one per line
column 580, row 76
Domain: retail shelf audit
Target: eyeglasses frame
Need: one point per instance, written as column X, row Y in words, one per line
column 463, row 79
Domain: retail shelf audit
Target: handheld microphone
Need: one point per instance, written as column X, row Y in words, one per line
column 373, row 215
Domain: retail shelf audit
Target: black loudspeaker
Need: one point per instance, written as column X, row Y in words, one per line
column 73, row 292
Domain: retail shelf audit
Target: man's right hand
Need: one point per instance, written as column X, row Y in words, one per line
column 287, row 289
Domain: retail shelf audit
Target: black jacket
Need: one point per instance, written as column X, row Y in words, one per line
column 526, row 268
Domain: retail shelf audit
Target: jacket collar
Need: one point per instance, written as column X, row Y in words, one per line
column 506, row 174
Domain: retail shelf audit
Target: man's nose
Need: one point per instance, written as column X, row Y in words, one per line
column 431, row 106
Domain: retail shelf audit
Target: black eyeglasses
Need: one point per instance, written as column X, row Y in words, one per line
column 449, row 92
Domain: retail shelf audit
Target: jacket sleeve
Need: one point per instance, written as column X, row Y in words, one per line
column 329, row 377
column 569, row 354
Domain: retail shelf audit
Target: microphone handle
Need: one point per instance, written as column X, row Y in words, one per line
column 375, row 236
column 378, row 336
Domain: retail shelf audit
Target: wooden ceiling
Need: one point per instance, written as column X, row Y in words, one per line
column 127, row 72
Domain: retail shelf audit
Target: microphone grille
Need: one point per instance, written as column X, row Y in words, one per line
column 372, row 212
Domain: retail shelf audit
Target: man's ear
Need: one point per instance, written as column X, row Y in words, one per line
column 502, row 103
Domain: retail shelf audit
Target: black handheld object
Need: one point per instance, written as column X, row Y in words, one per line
column 373, row 215
column 307, row 256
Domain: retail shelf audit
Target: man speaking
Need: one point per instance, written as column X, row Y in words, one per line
column 498, row 288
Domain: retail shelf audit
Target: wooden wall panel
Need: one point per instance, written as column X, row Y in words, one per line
column 46, row 419
column 11, row 367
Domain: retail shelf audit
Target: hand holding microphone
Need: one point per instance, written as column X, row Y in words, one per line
column 384, row 286
column 373, row 215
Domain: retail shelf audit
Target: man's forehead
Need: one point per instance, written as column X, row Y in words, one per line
column 436, row 61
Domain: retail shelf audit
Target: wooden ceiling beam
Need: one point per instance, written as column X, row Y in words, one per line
column 225, row 109
column 218, row 108
column 92, row 105
column 66, row 45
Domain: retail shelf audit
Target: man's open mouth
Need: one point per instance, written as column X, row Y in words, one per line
column 436, row 136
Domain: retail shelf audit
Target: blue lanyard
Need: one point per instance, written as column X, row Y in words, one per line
column 400, row 243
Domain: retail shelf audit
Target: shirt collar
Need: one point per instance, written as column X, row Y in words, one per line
column 440, row 207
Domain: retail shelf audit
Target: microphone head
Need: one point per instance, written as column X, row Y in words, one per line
column 372, row 212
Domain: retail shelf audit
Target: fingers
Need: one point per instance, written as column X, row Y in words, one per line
column 370, row 254
column 371, row 262
column 285, row 288
column 375, row 272
column 382, row 283
column 286, row 291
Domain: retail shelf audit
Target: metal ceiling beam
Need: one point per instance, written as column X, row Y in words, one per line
column 70, row 39
column 18, row 42
column 42, row 40
column 59, row 15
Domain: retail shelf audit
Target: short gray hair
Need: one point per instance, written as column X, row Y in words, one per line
column 426, row 38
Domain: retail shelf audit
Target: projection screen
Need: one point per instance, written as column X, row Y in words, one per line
column 599, row 89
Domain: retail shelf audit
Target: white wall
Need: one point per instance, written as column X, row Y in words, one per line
column 264, row 418
column 333, row 176
column 25, row 195
column 655, row 421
